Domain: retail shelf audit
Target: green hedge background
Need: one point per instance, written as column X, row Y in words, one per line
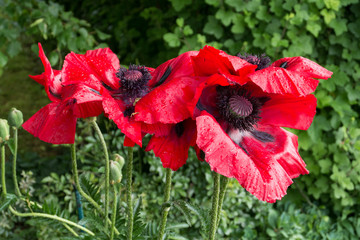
column 321, row 205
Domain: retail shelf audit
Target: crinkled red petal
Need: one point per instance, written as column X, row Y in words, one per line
column 114, row 110
column 264, row 170
column 304, row 66
column 95, row 68
column 289, row 111
column 128, row 142
column 167, row 103
column 88, row 102
column 173, row 68
column 173, row 149
column 55, row 123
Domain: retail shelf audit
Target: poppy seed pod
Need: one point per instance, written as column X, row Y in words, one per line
column 119, row 159
column 15, row 118
column 4, row 130
column 115, row 172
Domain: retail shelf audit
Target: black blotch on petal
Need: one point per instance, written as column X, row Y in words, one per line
column 54, row 94
column 179, row 129
column 202, row 155
column 93, row 90
column 106, row 86
column 284, row 65
column 263, row 136
column 163, row 77
column 242, row 147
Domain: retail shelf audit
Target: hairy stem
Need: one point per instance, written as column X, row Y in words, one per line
column 17, row 190
column 165, row 209
column 107, row 168
column 54, row 217
column 223, row 185
column 3, row 183
column 215, row 205
column 129, row 166
column 113, row 219
column 80, row 190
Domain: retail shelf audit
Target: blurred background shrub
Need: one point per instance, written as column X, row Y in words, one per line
column 321, row 205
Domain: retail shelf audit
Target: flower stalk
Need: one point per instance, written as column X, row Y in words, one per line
column 215, row 205
column 54, row 217
column 165, row 209
column 17, row 190
column 113, row 219
column 129, row 167
column 3, row 183
column 223, row 185
column 78, row 186
column 107, row 168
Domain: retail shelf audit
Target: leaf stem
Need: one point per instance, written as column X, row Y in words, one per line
column 107, row 168
column 80, row 190
column 17, row 190
column 165, row 209
column 113, row 219
column 215, row 204
column 3, row 183
column 54, row 217
column 129, row 166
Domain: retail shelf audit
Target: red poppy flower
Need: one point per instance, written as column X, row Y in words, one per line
column 238, row 124
column 56, row 122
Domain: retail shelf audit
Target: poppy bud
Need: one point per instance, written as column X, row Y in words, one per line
column 119, row 159
column 4, row 130
column 115, row 172
column 15, row 118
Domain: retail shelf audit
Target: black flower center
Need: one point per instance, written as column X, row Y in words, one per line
column 132, row 75
column 133, row 81
column 262, row 61
column 238, row 107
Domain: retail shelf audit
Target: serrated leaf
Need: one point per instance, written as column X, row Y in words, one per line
column 339, row 26
column 6, row 201
column 213, row 27
column 172, row 39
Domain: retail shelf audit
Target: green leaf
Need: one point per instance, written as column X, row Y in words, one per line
column 214, row 3
column 53, row 58
column 332, row 4
column 238, row 5
column 328, row 15
column 272, row 218
column 313, row 27
column 6, row 201
column 226, row 17
column 239, row 24
column 3, row 60
column 179, row 4
column 14, row 48
column 325, row 165
column 172, row 39
column 103, row 36
column 187, row 30
column 180, row 22
column 213, row 27
column 339, row 26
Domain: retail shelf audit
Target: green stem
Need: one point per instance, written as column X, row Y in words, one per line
column 81, row 191
column 70, row 230
column 113, row 213
column 107, row 168
column 215, row 205
column 223, row 186
column 17, row 190
column 3, row 183
column 54, row 217
column 129, row 166
column 165, row 209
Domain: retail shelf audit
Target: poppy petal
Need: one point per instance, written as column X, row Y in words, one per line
column 115, row 111
column 168, row 102
column 289, row 111
column 95, row 68
column 55, row 123
column 263, row 173
column 173, row 149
